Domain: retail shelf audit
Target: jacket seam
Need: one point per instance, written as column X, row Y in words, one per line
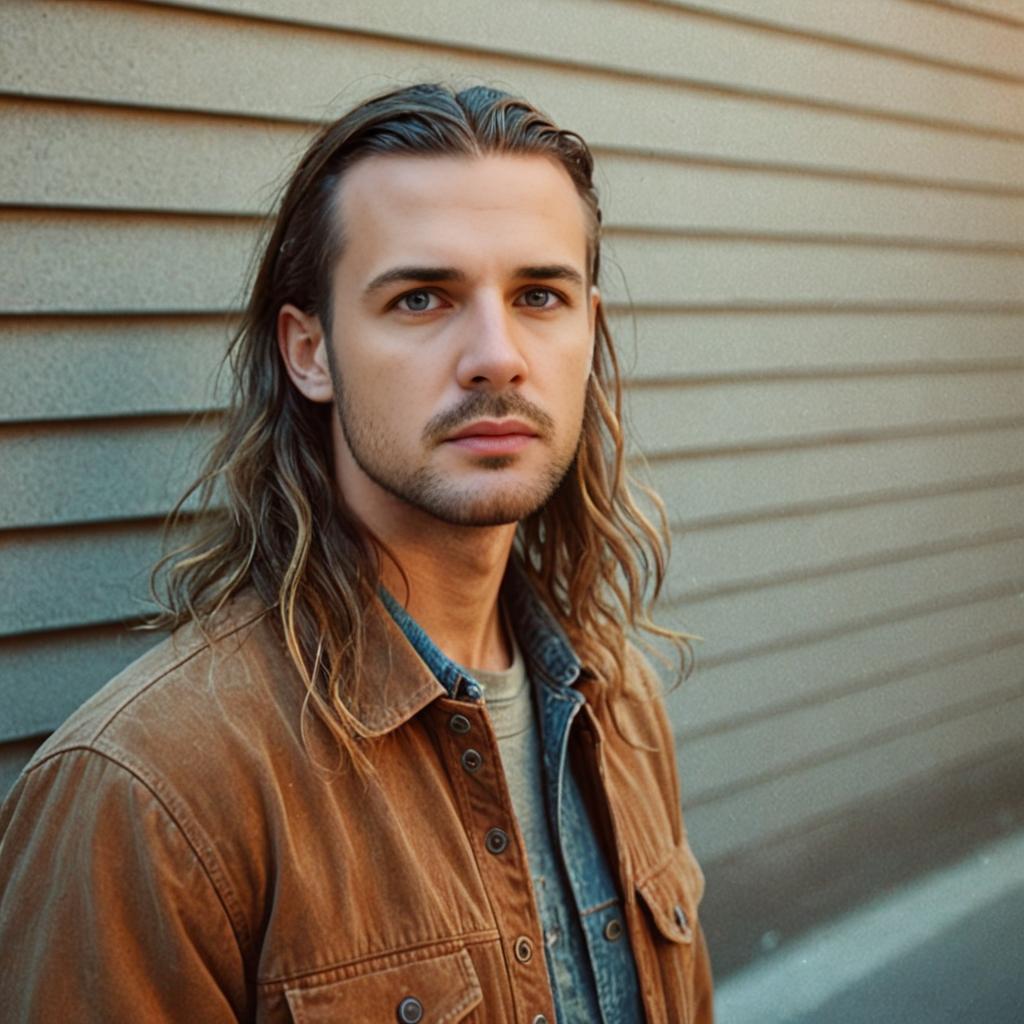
column 462, row 940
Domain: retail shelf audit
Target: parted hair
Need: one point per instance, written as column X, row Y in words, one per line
column 265, row 513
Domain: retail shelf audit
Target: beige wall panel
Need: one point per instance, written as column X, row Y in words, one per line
column 110, row 158
column 666, row 418
column 154, row 264
column 123, row 158
column 673, row 271
column 751, row 619
column 58, row 369
column 99, row 264
column 75, row 577
column 738, row 485
column 673, row 194
column 799, row 801
column 650, row 40
column 13, row 756
column 718, row 697
column 44, row 678
column 273, row 72
column 721, row 765
column 89, row 473
column 927, row 31
column 671, row 344
column 776, row 549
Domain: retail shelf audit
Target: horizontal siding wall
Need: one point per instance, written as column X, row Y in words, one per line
column 815, row 257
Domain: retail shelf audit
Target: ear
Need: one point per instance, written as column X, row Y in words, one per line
column 304, row 351
column 595, row 301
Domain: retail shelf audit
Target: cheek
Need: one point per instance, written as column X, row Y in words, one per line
column 374, row 382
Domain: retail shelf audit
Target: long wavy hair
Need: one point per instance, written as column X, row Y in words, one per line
column 266, row 512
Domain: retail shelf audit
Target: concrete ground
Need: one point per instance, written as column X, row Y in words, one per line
column 948, row 947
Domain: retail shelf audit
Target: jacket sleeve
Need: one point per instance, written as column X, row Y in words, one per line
column 107, row 913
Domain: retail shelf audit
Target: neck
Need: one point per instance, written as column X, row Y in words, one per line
column 449, row 582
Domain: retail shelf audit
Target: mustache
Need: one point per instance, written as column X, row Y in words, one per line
column 479, row 405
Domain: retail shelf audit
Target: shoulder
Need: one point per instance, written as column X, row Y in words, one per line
column 635, row 709
column 178, row 709
column 179, row 755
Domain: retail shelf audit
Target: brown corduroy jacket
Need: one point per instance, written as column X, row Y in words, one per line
column 174, row 852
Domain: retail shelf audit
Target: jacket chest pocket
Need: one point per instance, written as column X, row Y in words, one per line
column 671, row 894
column 441, row 990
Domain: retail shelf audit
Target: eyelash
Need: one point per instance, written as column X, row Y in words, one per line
column 430, row 291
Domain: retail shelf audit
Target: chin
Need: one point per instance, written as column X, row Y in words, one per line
column 492, row 510
column 496, row 495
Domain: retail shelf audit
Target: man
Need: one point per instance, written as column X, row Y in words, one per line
column 398, row 760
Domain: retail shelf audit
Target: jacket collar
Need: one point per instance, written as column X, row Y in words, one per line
column 396, row 683
column 406, row 670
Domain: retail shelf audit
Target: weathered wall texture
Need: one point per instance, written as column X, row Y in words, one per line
column 818, row 210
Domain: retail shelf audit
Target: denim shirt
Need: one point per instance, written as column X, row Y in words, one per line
column 590, row 965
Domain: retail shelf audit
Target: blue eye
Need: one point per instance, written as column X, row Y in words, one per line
column 537, row 298
column 417, row 302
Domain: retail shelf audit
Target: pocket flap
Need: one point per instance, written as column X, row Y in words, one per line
column 672, row 893
column 440, row 990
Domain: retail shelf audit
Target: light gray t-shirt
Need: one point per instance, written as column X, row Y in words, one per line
column 508, row 697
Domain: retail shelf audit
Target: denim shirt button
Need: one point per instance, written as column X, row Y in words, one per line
column 410, row 1010
column 496, row 840
column 613, row 930
column 471, row 690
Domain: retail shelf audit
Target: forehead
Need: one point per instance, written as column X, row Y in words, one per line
column 455, row 208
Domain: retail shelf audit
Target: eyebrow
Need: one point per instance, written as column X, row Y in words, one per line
column 540, row 272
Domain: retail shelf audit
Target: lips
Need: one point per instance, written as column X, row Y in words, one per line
column 494, row 428
column 494, row 437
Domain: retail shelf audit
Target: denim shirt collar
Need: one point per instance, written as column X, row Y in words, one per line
column 546, row 648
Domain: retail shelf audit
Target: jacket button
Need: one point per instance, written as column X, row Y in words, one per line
column 523, row 949
column 540, row 1019
column 496, row 840
column 471, row 760
column 681, row 918
column 613, row 930
column 459, row 724
column 410, row 1010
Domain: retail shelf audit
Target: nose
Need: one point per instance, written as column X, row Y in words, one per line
column 491, row 356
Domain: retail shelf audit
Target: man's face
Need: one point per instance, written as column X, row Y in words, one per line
column 462, row 335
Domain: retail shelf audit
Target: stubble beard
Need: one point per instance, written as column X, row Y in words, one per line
column 433, row 492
